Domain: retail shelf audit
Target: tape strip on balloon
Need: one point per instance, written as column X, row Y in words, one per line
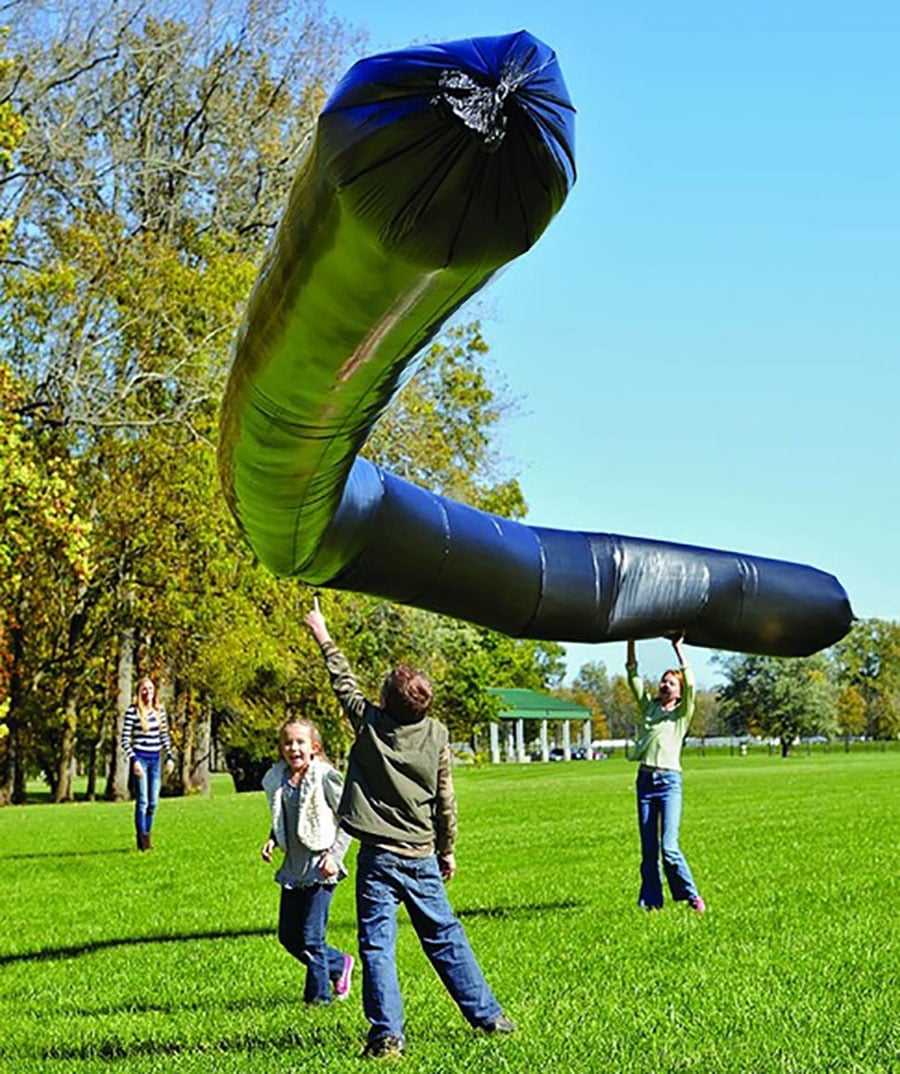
column 431, row 168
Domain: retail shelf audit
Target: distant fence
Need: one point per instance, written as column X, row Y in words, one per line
column 603, row 748
column 772, row 746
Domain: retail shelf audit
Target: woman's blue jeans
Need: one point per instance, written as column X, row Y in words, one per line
column 147, row 785
column 384, row 881
column 659, row 818
column 302, row 921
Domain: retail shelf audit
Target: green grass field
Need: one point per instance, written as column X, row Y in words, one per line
column 115, row 961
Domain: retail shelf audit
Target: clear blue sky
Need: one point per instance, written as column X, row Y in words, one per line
column 704, row 343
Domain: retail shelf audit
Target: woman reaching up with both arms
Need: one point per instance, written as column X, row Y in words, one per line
column 664, row 724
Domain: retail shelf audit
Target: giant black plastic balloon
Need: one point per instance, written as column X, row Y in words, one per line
column 430, row 169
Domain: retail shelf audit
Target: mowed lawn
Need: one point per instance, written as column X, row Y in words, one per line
column 114, row 961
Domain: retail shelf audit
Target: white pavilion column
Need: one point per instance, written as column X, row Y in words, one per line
column 567, row 741
column 520, row 741
column 545, row 749
column 588, row 735
column 510, row 740
column 495, row 742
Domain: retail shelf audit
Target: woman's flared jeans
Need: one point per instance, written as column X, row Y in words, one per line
column 659, row 818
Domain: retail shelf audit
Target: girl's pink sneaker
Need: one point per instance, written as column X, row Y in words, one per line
column 342, row 984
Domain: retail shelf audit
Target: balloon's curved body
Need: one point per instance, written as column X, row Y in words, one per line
column 431, row 169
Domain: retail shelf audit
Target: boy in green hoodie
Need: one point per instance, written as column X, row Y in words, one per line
column 398, row 801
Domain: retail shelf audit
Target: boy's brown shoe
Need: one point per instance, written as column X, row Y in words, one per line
column 501, row 1024
column 383, row 1048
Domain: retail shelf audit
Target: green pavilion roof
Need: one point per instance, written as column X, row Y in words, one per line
column 532, row 705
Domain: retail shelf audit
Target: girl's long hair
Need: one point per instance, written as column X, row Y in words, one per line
column 142, row 709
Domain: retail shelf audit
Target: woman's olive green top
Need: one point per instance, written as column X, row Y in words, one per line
column 661, row 733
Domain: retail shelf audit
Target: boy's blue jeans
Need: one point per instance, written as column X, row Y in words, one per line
column 384, row 881
column 659, row 818
column 302, row 921
column 147, row 785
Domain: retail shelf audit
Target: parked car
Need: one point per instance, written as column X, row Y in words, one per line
column 557, row 753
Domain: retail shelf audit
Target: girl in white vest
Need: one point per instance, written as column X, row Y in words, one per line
column 303, row 791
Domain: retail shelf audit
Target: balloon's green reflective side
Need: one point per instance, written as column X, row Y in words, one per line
column 431, row 169
column 401, row 210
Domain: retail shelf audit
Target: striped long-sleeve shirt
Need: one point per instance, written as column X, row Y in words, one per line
column 136, row 740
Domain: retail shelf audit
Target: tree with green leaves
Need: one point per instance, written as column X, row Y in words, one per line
column 592, row 689
column 12, row 131
column 867, row 662
column 438, row 432
column 470, row 660
column 154, row 145
column 610, row 696
column 707, row 721
column 155, row 151
column 44, row 556
column 851, row 713
column 778, row 697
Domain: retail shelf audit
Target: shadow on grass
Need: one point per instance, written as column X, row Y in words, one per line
column 65, row 854
column 195, row 1003
column 49, row 954
column 528, row 910
column 328, row 1034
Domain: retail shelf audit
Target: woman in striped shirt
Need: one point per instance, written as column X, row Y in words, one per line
column 145, row 734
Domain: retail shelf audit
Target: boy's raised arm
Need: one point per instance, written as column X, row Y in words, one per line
column 343, row 681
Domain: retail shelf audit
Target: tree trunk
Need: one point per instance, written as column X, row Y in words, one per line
column 63, row 791
column 91, row 788
column 785, row 747
column 12, row 776
column 184, row 726
column 199, row 780
column 117, row 777
column 95, row 752
column 9, row 763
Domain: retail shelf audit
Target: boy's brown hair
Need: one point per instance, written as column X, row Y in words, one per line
column 406, row 694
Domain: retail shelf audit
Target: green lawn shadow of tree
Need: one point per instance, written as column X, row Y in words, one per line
column 329, row 1035
column 50, row 954
column 65, row 854
column 524, row 910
